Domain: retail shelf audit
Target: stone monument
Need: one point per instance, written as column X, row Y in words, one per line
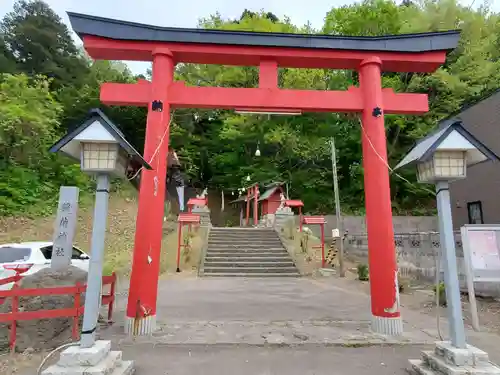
column 64, row 228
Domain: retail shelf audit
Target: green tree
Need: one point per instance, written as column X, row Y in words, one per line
column 29, row 118
column 368, row 18
column 41, row 43
column 294, row 149
column 7, row 62
column 217, row 146
column 79, row 98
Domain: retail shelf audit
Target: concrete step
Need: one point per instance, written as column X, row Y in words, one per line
column 250, row 253
column 106, row 366
column 252, row 269
column 243, row 235
column 249, row 241
column 418, row 367
column 247, row 253
column 242, row 229
column 243, row 240
column 243, row 257
column 261, row 232
column 242, row 274
column 438, row 364
column 281, row 264
column 124, row 368
column 247, row 245
column 247, row 249
column 246, row 234
column 271, row 259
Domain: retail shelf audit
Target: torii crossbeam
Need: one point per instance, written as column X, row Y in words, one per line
column 109, row 39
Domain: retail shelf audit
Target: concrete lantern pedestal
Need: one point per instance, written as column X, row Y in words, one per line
column 449, row 360
column 99, row 359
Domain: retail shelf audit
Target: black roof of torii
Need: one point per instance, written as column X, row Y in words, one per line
column 84, row 24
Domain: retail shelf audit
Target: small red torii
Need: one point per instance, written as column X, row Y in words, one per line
column 296, row 203
column 253, row 192
column 196, row 202
column 192, row 202
column 183, row 219
column 318, row 220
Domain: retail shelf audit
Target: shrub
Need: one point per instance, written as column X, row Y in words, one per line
column 441, row 291
column 363, row 272
column 403, row 283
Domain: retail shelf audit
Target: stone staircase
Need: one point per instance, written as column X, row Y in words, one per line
column 247, row 252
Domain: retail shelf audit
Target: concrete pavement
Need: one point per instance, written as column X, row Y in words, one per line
column 274, row 326
column 252, row 360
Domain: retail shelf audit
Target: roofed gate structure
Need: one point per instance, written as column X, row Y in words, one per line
column 109, row 39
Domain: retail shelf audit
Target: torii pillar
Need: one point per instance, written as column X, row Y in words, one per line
column 141, row 308
column 386, row 316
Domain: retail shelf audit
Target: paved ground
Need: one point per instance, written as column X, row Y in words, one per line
column 264, row 311
column 274, row 326
column 320, row 360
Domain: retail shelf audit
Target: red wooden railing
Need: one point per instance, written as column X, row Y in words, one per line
column 75, row 312
column 11, row 279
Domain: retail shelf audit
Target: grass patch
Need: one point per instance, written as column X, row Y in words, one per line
column 301, row 247
column 120, row 233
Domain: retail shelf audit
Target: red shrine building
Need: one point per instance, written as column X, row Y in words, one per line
column 270, row 200
column 266, row 203
column 108, row 39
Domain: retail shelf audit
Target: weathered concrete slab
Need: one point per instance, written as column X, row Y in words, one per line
column 270, row 322
column 244, row 360
column 291, row 333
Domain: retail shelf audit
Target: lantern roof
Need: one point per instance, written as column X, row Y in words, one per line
column 97, row 127
column 449, row 137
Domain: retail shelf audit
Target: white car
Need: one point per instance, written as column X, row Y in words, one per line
column 27, row 258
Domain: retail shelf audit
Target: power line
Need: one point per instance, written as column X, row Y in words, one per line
column 418, row 187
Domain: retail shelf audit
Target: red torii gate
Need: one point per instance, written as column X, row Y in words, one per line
column 107, row 39
column 252, row 192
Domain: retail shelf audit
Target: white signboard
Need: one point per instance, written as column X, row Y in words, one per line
column 481, row 244
column 64, row 227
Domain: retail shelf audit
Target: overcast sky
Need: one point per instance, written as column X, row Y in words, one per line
column 185, row 13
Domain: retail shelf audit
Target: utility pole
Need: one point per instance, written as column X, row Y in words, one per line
column 337, row 207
